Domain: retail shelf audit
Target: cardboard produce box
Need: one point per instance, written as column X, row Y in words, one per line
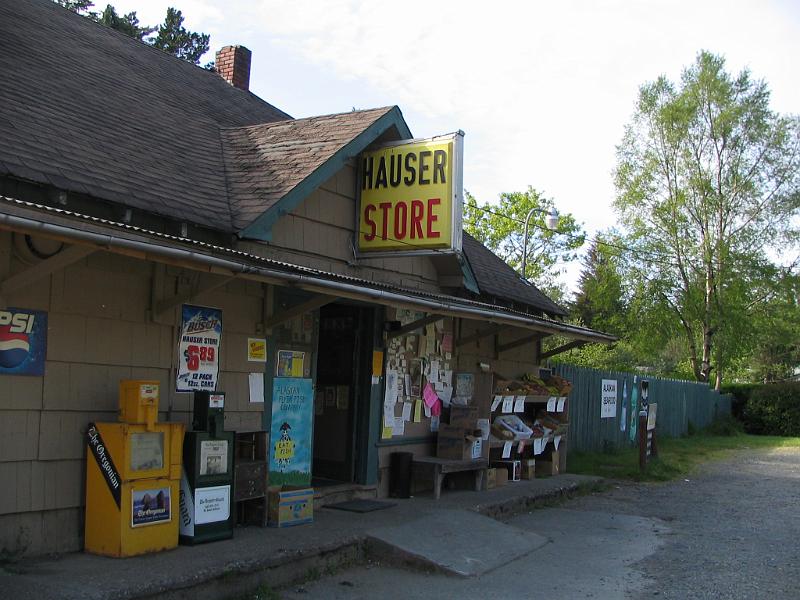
column 458, row 443
column 463, row 416
column 500, row 477
column 290, row 506
column 529, row 468
column 491, row 478
column 512, row 467
column 547, row 465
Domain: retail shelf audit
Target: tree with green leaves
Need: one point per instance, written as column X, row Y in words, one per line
column 500, row 227
column 707, row 178
column 171, row 36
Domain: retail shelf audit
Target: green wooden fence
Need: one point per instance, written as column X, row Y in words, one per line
column 679, row 402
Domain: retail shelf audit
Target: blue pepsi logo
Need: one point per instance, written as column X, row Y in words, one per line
column 14, row 338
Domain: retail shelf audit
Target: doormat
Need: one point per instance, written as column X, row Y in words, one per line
column 361, row 506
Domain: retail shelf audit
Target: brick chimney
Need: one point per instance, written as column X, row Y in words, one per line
column 233, row 64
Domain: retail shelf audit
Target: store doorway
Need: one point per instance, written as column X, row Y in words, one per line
column 343, row 331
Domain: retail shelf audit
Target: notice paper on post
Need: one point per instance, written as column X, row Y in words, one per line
column 496, row 402
column 256, row 387
column 507, row 449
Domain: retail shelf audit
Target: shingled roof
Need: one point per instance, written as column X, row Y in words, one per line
column 90, row 110
column 266, row 162
column 498, row 281
column 87, row 109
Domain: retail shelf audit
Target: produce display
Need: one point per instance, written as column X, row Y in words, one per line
column 530, row 385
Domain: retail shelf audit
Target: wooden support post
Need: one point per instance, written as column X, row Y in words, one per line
column 48, row 266
column 164, row 305
column 491, row 330
column 564, row 348
column 405, row 329
column 642, row 440
column 517, row 343
column 282, row 316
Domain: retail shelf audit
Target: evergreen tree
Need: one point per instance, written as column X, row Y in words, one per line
column 598, row 302
column 171, row 36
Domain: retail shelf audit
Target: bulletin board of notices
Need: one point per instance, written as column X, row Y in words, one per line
column 419, row 376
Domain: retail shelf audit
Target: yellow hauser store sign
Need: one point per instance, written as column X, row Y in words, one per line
column 410, row 196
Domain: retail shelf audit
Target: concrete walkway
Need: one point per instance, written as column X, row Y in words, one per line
column 279, row 557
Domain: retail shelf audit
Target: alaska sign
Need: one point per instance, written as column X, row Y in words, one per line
column 410, row 196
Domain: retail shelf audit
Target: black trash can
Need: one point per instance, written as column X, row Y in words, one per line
column 400, row 476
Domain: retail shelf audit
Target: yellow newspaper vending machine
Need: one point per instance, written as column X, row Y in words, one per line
column 133, row 473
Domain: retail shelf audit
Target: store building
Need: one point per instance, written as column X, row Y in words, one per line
column 133, row 183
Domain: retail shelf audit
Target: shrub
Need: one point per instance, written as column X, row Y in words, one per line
column 725, row 426
column 741, row 393
column 773, row 409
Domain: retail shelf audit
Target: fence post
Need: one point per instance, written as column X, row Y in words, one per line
column 642, row 440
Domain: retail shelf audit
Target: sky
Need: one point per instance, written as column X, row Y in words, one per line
column 542, row 90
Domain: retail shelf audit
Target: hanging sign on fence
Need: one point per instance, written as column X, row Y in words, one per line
column 608, row 399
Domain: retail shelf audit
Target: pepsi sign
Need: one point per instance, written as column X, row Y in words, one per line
column 23, row 341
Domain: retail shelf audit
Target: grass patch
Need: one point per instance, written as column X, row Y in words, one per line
column 263, row 592
column 678, row 457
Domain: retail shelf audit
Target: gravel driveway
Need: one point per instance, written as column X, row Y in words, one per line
column 734, row 528
column 731, row 531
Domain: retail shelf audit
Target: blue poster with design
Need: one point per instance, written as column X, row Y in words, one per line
column 23, row 341
column 292, row 431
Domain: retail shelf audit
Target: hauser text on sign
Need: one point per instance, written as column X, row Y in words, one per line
column 408, row 196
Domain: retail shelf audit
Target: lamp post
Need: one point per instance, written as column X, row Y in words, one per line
column 551, row 221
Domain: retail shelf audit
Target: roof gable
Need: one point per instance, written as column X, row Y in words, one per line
column 273, row 167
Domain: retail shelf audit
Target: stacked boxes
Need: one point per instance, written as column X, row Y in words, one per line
column 460, row 438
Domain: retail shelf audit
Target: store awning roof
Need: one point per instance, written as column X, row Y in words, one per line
column 148, row 245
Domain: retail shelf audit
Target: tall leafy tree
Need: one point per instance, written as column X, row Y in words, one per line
column 500, row 227
column 707, row 178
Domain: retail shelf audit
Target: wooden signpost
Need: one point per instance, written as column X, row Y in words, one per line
column 648, row 447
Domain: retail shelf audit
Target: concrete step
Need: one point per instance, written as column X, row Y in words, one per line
column 331, row 494
column 457, row 542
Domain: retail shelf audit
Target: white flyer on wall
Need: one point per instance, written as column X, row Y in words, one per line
column 608, row 399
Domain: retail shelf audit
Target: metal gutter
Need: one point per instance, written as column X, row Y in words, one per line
column 306, row 282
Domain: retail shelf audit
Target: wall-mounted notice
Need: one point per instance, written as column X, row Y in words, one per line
column 608, row 399
column 198, row 349
column 290, row 363
column 291, row 437
column 256, row 350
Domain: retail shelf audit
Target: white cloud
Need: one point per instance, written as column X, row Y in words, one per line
column 542, row 90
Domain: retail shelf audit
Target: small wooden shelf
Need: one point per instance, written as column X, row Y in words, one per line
column 251, row 477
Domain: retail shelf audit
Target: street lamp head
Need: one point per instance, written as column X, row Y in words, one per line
column 551, row 220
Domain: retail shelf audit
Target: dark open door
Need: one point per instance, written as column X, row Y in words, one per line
column 337, row 381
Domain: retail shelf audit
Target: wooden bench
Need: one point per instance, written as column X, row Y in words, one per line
column 442, row 466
